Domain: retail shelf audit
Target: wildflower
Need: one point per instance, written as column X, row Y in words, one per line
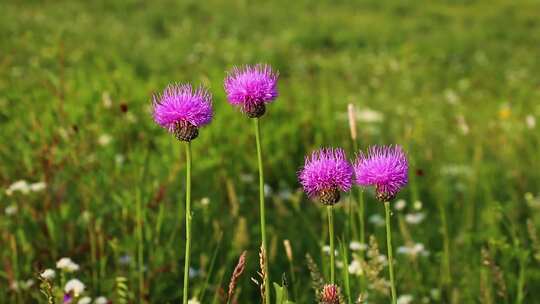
column 74, row 287
column 400, row 204
column 182, row 110
column 67, row 265
column 413, row 250
column 355, row 246
column 24, row 187
column 415, row 218
column 326, row 172
column 405, row 299
column 326, row 249
column 11, row 209
column 330, row 294
column 27, row 284
column 205, row 201
column 355, row 268
column 48, row 274
column 251, row 88
column 385, row 167
column 530, row 121
column 85, row 300
column 193, row 301
column 101, row 300
column 417, row 205
column 104, row 139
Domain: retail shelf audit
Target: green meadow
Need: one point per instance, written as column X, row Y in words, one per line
column 456, row 83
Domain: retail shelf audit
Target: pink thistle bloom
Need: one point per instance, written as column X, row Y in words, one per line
column 182, row 110
column 251, row 87
column 385, row 167
column 326, row 172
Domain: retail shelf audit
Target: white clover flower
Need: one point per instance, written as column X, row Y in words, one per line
column 74, row 286
column 355, row 268
column 48, row 274
column 101, row 300
column 405, row 299
column 85, row 300
column 415, row 218
column 67, row 265
column 400, row 204
column 193, row 301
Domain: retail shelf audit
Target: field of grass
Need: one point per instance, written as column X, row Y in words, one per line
column 456, row 83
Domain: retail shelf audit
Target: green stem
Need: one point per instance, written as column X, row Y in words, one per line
column 262, row 211
column 188, row 221
column 389, row 248
column 330, row 211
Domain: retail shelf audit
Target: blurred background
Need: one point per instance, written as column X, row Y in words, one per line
column 457, row 83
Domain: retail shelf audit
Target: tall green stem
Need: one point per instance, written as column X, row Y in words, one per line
column 389, row 249
column 262, row 211
column 330, row 211
column 188, row 221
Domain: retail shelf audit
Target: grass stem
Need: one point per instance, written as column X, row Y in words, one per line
column 188, row 222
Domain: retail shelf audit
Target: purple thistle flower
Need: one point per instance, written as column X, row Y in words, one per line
column 385, row 167
column 68, row 297
column 326, row 172
column 251, row 87
column 182, row 110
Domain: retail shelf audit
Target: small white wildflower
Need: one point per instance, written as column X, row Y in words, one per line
column 106, row 100
column 104, row 139
column 417, row 205
column 268, row 190
column 48, row 274
column 20, row 185
column 355, row 268
column 415, row 218
column 530, row 121
column 400, row 204
column 11, row 209
column 405, row 299
column 85, row 300
column 205, row 201
column 367, row 115
column 101, row 300
column 435, row 293
column 74, row 286
column 193, row 301
column 355, row 246
column 413, row 250
column 451, row 96
column 14, row 285
column 66, row 264
column 39, row 186
column 377, row 220
column 119, row 159
column 339, row 264
column 326, row 249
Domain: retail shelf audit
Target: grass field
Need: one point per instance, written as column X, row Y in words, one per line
column 456, row 83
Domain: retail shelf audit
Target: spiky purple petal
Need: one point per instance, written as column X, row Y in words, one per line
column 251, row 85
column 385, row 167
column 325, row 169
column 181, row 103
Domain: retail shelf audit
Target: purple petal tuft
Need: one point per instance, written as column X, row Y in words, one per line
column 251, row 85
column 325, row 169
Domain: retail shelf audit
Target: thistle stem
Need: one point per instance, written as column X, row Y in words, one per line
column 330, row 211
column 188, row 221
column 389, row 249
column 262, row 210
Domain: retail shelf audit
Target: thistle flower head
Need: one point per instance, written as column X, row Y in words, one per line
column 330, row 294
column 326, row 172
column 251, row 87
column 385, row 167
column 182, row 110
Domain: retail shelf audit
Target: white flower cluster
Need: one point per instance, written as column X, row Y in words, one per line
column 24, row 187
column 67, row 265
